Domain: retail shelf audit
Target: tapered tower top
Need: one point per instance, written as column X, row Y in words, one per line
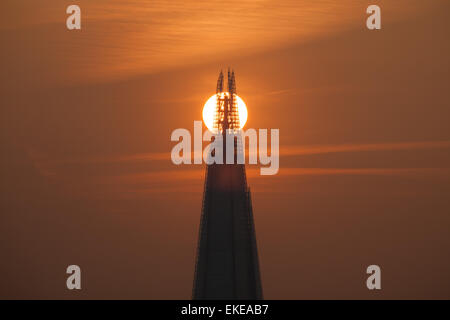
column 226, row 115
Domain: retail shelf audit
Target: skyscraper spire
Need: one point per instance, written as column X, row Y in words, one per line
column 227, row 264
column 227, row 113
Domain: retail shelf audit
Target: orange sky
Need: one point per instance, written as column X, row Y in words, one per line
column 364, row 143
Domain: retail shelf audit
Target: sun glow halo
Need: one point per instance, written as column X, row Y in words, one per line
column 210, row 108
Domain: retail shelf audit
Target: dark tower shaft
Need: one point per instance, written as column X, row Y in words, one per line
column 227, row 260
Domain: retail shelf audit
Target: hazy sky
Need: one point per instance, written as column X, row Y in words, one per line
column 87, row 116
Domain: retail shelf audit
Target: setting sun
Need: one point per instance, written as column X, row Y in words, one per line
column 210, row 108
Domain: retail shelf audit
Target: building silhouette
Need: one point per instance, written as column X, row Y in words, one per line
column 227, row 258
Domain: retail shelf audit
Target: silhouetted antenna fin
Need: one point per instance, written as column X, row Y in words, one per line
column 220, row 83
column 233, row 83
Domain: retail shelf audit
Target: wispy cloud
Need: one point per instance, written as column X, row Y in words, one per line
column 122, row 38
column 299, row 150
column 285, row 151
column 336, row 148
column 177, row 178
column 364, row 171
column 182, row 180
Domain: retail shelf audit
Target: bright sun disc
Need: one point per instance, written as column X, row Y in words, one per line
column 210, row 108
